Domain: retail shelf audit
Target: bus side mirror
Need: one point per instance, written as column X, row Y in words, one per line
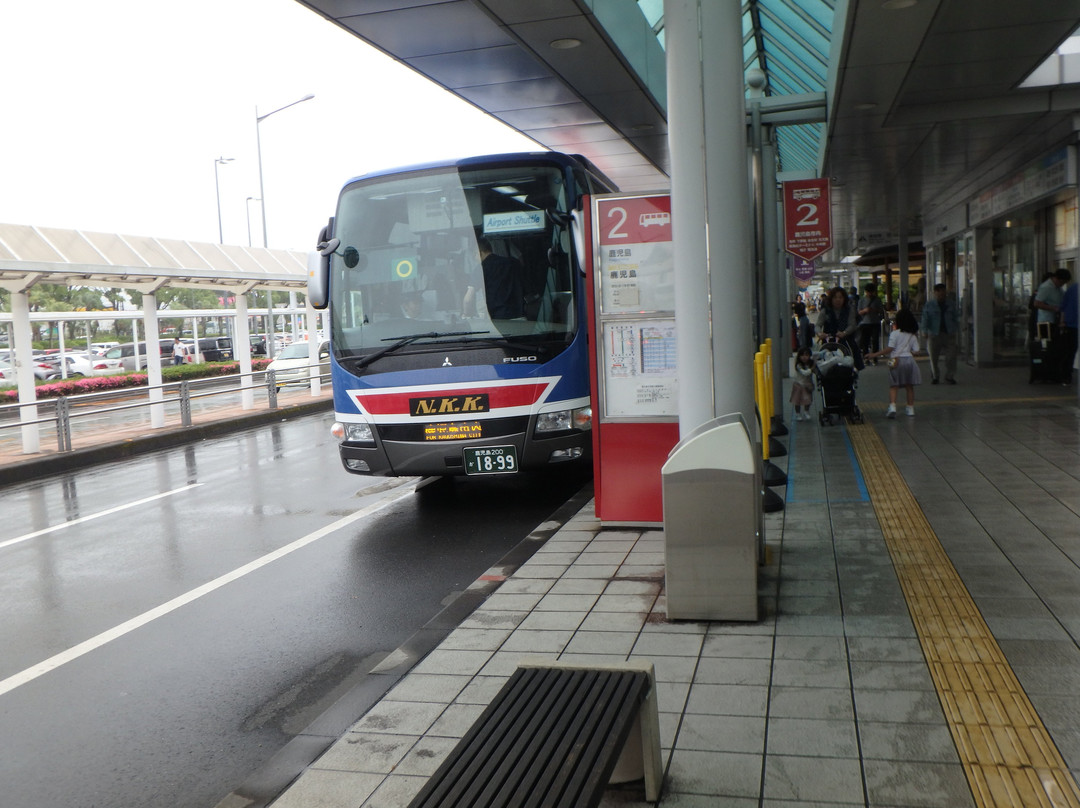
column 577, row 233
column 318, row 282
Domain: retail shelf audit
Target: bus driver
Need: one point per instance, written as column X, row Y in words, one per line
column 502, row 285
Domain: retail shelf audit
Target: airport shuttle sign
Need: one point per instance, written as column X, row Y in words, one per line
column 807, row 218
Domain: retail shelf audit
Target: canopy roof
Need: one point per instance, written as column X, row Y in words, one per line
column 926, row 99
column 30, row 255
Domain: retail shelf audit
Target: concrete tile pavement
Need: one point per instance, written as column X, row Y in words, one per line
column 826, row 700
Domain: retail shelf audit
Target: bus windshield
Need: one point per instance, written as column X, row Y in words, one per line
column 449, row 259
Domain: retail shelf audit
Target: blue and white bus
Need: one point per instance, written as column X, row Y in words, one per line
column 458, row 316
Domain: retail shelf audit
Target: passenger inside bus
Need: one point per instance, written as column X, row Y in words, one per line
column 503, row 296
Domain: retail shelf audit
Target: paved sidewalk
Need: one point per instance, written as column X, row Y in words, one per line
column 826, row 700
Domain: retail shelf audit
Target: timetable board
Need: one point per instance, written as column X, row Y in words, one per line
column 635, row 295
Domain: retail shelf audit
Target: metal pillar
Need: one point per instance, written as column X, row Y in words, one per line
column 710, row 210
column 777, row 308
column 242, row 350
column 153, row 360
column 902, row 247
column 24, row 369
column 312, row 324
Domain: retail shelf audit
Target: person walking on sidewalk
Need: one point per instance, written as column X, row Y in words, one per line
column 839, row 322
column 1068, row 333
column 941, row 326
column 901, row 350
column 871, row 313
column 1048, row 307
column 802, row 385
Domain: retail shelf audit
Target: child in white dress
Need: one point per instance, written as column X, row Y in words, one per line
column 904, row 372
column 802, row 386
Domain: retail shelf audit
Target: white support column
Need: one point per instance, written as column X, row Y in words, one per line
column 63, row 349
column 710, row 210
column 776, row 278
column 242, row 351
column 686, row 139
column 983, row 303
column 24, row 369
column 135, row 341
column 153, row 360
column 312, row 324
column 902, row 249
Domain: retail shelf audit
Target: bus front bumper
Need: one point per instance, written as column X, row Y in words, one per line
column 427, row 459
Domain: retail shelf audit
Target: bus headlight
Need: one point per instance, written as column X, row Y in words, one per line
column 352, row 432
column 564, row 420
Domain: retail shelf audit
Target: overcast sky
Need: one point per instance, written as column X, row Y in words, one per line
column 112, row 113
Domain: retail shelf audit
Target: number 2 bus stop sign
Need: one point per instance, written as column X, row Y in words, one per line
column 807, row 218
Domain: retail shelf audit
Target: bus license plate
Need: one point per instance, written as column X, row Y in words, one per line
column 491, row 460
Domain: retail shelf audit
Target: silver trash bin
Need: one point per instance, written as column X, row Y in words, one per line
column 713, row 523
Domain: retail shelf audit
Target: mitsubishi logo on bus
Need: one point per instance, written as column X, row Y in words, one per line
column 449, row 405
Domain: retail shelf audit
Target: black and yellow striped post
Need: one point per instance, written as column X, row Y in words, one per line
column 776, row 448
column 771, row 475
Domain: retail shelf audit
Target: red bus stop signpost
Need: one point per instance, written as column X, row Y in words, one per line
column 807, row 218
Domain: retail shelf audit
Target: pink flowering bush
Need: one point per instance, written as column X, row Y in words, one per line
column 97, row 384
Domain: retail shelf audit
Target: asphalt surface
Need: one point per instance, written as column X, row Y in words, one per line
column 210, row 641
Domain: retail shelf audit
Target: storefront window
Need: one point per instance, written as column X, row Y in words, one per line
column 1014, row 270
column 965, row 285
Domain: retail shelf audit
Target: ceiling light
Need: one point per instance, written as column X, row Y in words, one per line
column 642, row 127
column 865, row 106
column 896, row 5
column 565, row 44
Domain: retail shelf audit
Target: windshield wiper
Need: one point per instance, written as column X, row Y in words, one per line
column 406, row 340
column 506, row 343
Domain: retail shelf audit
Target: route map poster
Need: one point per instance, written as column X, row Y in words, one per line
column 640, row 368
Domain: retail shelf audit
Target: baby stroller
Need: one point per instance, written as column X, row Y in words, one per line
column 837, row 381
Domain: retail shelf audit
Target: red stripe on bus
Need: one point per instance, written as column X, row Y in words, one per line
column 397, row 403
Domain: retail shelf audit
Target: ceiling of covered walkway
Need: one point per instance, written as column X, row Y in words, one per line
column 924, row 108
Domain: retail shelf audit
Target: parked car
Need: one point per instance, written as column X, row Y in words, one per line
column 83, row 364
column 212, row 349
column 99, row 348
column 126, row 353
column 291, row 365
column 42, row 371
column 258, row 344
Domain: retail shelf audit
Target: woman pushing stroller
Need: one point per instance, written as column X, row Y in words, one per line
column 839, row 322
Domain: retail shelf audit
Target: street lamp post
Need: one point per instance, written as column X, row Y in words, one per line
column 258, row 147
column 247, row 208
column 217, row 193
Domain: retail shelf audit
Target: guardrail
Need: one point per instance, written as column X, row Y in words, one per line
column 181, row 399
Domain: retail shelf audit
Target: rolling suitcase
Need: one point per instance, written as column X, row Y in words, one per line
column 1040, row 357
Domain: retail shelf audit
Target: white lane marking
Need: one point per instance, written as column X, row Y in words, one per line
column 97, row 515
column 73, row 653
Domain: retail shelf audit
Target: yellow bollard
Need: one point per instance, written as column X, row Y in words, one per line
column 759, row 385
column 768, row 391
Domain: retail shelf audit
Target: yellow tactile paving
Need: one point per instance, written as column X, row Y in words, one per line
column 1006, row 751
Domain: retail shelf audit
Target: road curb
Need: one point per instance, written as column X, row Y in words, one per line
column 35, row 467
column 273, row 778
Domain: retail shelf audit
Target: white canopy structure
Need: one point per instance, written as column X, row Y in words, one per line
column 30, row 255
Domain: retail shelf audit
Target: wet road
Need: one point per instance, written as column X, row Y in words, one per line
column 169, row 623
